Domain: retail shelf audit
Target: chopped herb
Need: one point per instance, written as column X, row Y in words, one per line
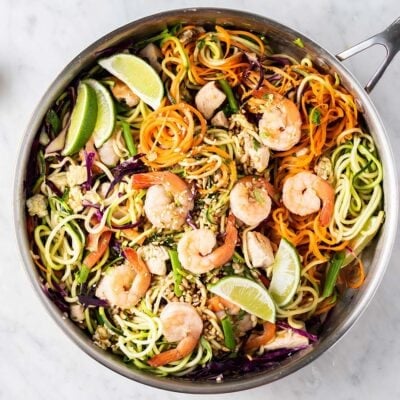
column 299, row 42
column 259, row 196
column 265, row 134
column 269, row 97
column 201, row 43
column 256, row 144
column 315, row 116
column 54, row 121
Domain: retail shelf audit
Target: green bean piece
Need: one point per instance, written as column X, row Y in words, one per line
column 229, row 337
column 130, row 144
column 333, row 272
column 229, row 94
column 176, row 269
column 83, row 274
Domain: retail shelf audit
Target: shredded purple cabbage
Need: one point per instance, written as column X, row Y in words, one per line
column 98, row 213
column 190, row 221
column 91, row 300
column 278, row 60
column 54, row 188
column 129, row 226
column 255, row 64
column 228, row 367
column 274, row 78
column 302, row 332
column 116, row 245
column 132, row 166
column 89, row 160
column 57, row 295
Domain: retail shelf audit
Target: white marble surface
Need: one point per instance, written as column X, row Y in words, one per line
column 37, row 38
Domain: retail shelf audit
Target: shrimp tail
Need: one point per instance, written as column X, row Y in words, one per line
column 183, row 349
column 327, row 194
column 97, row 245
column 164, row 358
column 139, row 266
column 223, row 254
column 171, row 181
column 145, row 180
column 256, row 341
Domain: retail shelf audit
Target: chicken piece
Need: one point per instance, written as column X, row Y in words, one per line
column 76, row 175
column 253, row 154
column 122, row 93
column 208, row 99
column 287, row 339
column 189, row 35
column 37, row 205
column 219, row 119
column 77, row 312
column 155, row 258
column 259, row 249
column 152, row 53
column 75, row 198
column 107, row 153
column 256, row 155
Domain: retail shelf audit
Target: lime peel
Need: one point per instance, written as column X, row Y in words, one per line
column 83, row 120
column 285, row 273
column 138, row 75
column 105, row 121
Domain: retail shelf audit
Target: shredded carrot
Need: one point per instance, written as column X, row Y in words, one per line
column 354, row 274
column 169, row 133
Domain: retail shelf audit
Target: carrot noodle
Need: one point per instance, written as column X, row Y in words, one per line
column 196, row 163
column 169, row 133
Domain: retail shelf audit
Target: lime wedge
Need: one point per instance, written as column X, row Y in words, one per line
column 246, row 294
column 285, row 273
column 105, row 113
column 358, row 244
column 139, row 76
column 83, row 120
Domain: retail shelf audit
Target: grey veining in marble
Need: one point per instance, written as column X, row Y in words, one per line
column 37, row 38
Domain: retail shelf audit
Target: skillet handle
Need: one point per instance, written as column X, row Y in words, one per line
column 389, row 38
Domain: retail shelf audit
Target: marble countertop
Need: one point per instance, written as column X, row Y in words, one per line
column 36, row 359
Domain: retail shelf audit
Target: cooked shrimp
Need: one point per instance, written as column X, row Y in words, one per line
column 256, row 341
column 126, row 284
column 122, row 93
column 280, row 124
column 168, row 199
column 218, row 304
column 180, row 323
column 195, row 248
column 250, row 200
column 302, row 195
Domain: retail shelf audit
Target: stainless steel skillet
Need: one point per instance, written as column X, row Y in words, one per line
column 281, row 37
